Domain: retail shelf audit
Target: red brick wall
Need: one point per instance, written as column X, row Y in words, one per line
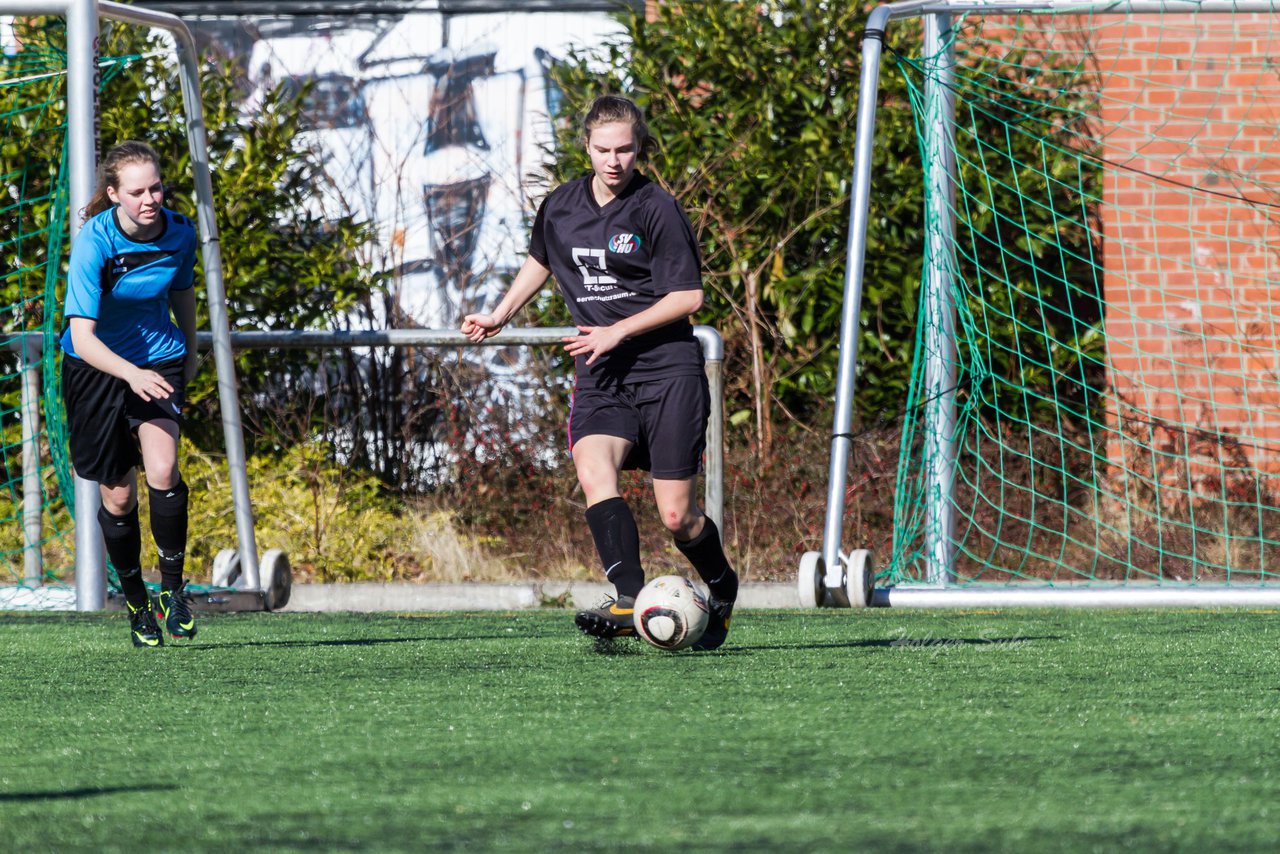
column 1190, row 107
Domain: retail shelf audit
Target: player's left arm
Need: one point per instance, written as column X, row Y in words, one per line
column 182, row 303
column 183, row 306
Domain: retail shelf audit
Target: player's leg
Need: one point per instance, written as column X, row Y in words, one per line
column 674, row 416
column 167, row 494
column 118, row 518
column 602, row 430
column 157, row 423
column 698, row 539
column 597, row 460
column 696, row 535
column 103, row 450
column 122, row 537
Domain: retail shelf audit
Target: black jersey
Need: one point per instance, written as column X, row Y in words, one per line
column 615, row 261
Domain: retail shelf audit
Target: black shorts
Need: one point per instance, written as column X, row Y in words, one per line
column 103, row 415
column 665, row 420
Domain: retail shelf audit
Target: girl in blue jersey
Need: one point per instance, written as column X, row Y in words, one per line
column 130, row 349
column 626, row 261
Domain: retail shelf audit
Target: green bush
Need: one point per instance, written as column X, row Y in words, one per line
column 334, row 524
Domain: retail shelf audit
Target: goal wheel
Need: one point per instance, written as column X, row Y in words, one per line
column 859, row 575
column 809, row 584
column 226, row 568
column 277, row 579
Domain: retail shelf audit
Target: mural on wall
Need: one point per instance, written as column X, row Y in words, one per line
column 433, row 127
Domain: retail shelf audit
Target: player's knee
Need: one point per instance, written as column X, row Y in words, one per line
column 682, row 524
column 597, row 479
column 119, row 502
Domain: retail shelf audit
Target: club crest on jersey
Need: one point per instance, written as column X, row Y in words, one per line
column 624, row 244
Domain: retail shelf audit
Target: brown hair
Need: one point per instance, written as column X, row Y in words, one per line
column 608, row 109
column 123, row 154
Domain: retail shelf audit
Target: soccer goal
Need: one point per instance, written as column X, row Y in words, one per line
column 48, row 95
column 1094, row 416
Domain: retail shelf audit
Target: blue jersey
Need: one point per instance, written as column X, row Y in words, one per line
column 124, row 286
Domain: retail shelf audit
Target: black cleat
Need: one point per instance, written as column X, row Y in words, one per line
column 718, row 619
column 178, row 618
column 613, row 619
column 143, row 629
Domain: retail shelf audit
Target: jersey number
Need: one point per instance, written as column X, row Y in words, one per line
column 591, row 265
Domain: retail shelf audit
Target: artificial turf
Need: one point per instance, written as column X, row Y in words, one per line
column 809, row 731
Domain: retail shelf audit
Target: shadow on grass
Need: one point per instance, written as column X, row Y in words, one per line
column 83, row 792
column 633, row 646
column 617, row 646
column 898, row 643
column 199, row 646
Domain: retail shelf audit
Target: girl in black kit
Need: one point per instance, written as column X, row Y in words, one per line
column 626, row 261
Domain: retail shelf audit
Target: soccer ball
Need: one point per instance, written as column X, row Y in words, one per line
column 670, row 612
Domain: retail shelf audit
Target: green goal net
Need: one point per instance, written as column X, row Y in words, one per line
column 37, row 538
column 1113, row 257
column 36, row 533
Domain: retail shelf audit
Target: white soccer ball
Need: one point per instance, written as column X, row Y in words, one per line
column 671, row 613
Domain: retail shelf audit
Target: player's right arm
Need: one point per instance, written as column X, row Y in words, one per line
column 147, row 384
column 532, row 276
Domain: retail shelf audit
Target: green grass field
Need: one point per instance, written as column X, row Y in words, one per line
column 811, row 731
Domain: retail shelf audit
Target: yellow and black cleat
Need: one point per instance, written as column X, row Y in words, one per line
column 143, row 629
column 178, row 618
column 614, row 619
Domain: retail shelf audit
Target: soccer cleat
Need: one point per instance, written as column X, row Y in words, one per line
column 178, row 618
column 143, row 629
column 718, row 619
column 614, row 619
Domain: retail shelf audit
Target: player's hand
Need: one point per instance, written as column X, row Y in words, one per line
column 478, row 327
column 593, row 340
column 149, row 385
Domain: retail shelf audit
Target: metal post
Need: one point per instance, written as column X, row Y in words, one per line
column 713, row 354
column 850, row 325
column 82, row 158
column 32, row 529
column 939, row 300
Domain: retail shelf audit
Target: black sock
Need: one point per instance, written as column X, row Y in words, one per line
column 618, row 542
column 123, row 539
column 706, row 554
column 169, row 529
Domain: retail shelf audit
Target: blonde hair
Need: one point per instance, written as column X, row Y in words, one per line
column 124, row 154
column 614, row 109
